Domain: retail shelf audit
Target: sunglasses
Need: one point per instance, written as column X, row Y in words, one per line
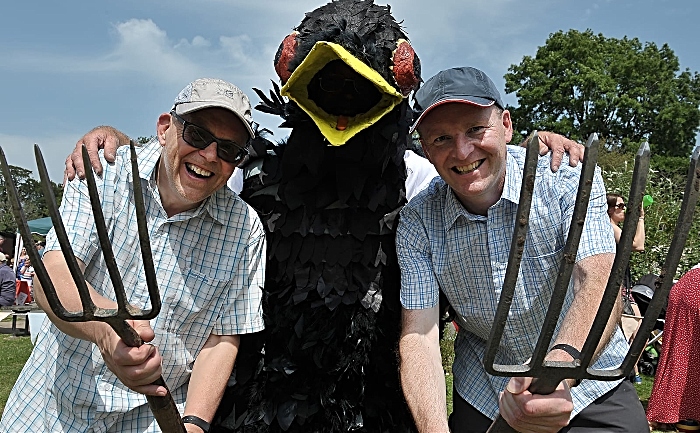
column 620, row 205
column 200, row 138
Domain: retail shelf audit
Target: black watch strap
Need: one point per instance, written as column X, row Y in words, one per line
column 571, row 350
column 199, row 422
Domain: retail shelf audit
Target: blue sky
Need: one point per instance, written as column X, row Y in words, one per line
column 70, row 65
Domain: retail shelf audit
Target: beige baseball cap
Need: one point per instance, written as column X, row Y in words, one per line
column 212, row 92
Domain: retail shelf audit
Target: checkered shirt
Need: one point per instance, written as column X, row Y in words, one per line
column 442, row 246
column 209, row 263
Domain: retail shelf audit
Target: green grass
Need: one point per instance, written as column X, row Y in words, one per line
column 14, row 352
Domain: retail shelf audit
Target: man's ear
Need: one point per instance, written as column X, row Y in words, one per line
column 162, row 125
column 508, row 125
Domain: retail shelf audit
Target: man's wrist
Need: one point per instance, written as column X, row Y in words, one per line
column 575, row 354
column 197, row 421
column 571, row 350
column 573, row 383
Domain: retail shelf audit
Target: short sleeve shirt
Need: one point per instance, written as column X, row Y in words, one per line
column 441, row 245
column 209, row 265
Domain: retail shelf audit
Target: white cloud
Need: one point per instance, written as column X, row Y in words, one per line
column 144, row 48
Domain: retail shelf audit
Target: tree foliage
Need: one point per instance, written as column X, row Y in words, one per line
column 667, row 177
column 626, row 91
column 31, row 198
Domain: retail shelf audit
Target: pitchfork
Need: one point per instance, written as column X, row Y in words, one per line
column 164, row 409
column 548, row 374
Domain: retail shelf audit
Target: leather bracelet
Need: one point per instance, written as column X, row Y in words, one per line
column 571, row 350
column 199, row 422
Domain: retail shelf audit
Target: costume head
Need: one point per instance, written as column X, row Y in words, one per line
column 347, row 65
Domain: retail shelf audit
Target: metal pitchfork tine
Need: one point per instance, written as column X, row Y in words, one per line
column 548, row 374
column 163, row 408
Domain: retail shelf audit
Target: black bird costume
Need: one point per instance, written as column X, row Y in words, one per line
column 329, row 198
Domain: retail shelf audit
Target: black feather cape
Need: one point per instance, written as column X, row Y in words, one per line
column 327, row 361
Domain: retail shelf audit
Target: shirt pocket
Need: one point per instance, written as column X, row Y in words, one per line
column 195, row 305
column 538, row 275
column 203, row 288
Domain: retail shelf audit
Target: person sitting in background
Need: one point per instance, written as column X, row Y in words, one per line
column 8, row 286
column 676, row 395
column 630, row 309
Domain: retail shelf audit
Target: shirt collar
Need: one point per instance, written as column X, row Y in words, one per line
column 514, row 179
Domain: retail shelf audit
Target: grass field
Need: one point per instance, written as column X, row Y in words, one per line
column 14, row 351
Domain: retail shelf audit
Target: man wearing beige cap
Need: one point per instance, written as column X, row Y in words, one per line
column 208, row 248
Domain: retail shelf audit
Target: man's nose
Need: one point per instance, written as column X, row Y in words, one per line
column 463, row 146
column 210, row 152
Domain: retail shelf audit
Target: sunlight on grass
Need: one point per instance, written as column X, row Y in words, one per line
column 448, row 355
column 14, row 352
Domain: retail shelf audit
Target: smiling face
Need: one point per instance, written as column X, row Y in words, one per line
column 617, row 212
column 187, row 175
column 467, row 146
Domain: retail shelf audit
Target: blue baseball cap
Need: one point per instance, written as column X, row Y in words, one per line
column 466, row 84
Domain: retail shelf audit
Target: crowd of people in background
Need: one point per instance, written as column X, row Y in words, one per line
column 631, row 316
column 13, row 277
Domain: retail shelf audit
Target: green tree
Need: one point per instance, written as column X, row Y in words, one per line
column 626, row 91
column 31, row 198
column 145, row 140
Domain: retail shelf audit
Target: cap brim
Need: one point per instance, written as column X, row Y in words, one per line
column 472, row 100
column 191, row 107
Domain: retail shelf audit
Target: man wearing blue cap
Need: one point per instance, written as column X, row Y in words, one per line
column 455, row 235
